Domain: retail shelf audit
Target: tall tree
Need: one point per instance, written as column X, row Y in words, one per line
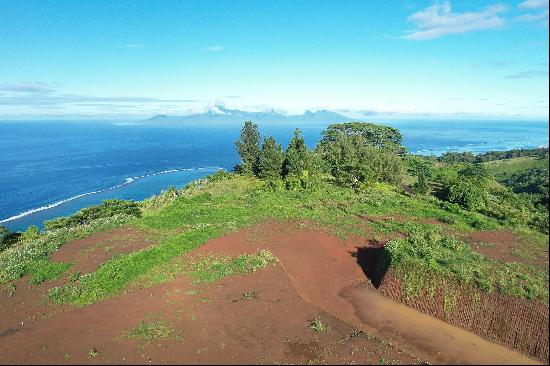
column 296, row 155
column 382, row 137
column 271, row 159
column 248, row 147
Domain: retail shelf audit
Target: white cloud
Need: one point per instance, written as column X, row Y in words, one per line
column 214, row 48
column 534, row 4
column 538, row 14
column 438, row 20
column 33, row 87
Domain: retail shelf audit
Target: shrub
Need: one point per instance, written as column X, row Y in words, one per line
column 465, row 193
column 421, row 186
column 108, row 208
column 7, row 238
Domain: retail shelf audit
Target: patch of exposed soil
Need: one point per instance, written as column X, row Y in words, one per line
column 217, row 325
column 502, row 245
column 319, row 276
column 88, row 253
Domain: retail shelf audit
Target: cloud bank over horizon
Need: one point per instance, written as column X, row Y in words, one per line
column 397, row 60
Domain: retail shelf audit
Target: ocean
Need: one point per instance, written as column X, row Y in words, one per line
column 54, row 168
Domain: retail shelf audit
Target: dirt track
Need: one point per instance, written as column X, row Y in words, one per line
column 318, row 277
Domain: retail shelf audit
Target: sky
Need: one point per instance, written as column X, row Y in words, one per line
column 391, row 59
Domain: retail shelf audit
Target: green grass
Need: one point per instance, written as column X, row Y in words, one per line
column 153, row 328
column 214, row 209
column 44, row 270
column 211, row 269
column 184, row 220
column 427, row 259
column 500, row 168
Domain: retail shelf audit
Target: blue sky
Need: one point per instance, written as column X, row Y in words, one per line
column 387, row 59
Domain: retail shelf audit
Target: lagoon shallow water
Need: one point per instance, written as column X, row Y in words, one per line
column 53, row 168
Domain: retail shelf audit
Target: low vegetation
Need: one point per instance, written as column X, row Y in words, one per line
column 357, row 171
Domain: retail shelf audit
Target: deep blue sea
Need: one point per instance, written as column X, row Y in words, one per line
column 54, row 168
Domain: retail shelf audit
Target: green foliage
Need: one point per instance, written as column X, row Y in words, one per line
column 421, row 186
column 468, row 157
column 109, row 208
column 296, row 156
column 427, row 255
column 318, row 326
column 248, row 147
column 457, row 157
column 538, row 153
column 377, row 136
column 271, row 159
column 533, row 182
column 15, row 261
column 419, row 165
column 7, row 238
column 353, row 162
column 474, row 172
column 218, row 176
column 466, row 193
column 32, row 233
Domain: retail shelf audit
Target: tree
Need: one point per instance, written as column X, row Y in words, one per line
column 271, row 159
column 421, row 186
column 352, row 162
column 296, row 156
column 248, row 147
column 381, row 137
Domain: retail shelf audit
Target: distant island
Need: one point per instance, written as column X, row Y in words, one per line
column 220, row 114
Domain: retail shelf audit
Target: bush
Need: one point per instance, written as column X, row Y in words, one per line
column 421, row 186
column 108, row 208
column 465, row 193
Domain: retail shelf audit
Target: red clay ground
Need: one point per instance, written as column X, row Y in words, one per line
column 317, row 277
column 504, row 245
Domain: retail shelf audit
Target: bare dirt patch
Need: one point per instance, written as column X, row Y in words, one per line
column 263, row 317
column 88, row 253
column 217, row 325
column 503, row 245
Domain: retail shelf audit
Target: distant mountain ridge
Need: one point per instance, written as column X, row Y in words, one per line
column 221, row 114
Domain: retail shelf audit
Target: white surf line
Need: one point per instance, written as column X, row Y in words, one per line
column 128, row 181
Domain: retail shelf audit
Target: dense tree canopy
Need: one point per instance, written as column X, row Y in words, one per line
column 352, row 161
column 378, row 136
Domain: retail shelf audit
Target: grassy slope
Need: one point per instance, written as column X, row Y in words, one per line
column 500, row 168
column 205, row 211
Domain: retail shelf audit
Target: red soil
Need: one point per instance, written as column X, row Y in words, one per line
column 501, row 245
column 318, row 277
column 88, row 253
